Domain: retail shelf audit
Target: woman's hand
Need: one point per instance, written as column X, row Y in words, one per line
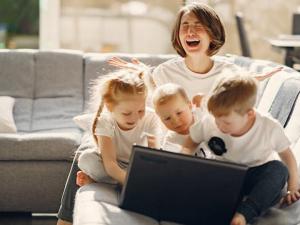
column 264, row 76
column 135, row 64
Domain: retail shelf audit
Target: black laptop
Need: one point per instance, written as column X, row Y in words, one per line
column 180, row 188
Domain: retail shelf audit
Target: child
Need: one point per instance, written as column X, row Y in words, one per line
column 117, row 128
column 239, row 133
column 176, row 112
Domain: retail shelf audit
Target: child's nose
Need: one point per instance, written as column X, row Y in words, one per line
column 134, row 117
column 175, row 121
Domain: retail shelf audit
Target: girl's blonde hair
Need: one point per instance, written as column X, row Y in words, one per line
column 110, row 89
column 166, row 92
column 234, row 93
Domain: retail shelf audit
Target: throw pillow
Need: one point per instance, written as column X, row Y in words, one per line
column 84, row 121
column 7, row 123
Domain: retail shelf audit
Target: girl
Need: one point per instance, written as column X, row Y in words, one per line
column 120, row 122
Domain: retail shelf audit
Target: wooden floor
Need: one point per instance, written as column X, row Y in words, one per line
column 26, row 219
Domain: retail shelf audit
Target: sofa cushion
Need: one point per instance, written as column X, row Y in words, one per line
column 47, row 145
column 292, row 129
column 7, row 123
column 58, row 74
column 23, row 114
column 283, row 104
column 54, row 113
column 17, row 73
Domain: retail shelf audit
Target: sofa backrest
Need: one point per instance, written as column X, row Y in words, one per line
column 47, row 86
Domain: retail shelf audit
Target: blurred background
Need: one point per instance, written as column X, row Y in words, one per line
column 139, row 26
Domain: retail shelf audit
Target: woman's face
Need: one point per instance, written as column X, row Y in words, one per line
column 192, row 34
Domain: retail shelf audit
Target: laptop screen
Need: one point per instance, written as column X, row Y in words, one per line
column 180, row 188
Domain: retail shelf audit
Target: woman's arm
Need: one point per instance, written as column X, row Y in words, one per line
column 288, row 158
column 134, row 65
column 109, row 156
column 262, row 77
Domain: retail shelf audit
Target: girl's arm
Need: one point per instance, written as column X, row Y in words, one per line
column 109, row 156
column 288, row 158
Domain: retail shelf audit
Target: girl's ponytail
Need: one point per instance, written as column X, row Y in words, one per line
column 98, row 113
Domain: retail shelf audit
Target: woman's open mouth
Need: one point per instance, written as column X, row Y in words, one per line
column 192, row 43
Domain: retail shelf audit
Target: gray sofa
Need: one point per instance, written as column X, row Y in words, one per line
column 49, row 88
column 97, row 204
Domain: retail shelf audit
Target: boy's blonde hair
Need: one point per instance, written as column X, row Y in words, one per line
column 234, row 93
column 166, row 92
column 110, row 89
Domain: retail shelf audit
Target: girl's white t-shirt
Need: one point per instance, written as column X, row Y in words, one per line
column 176, row 71
column 124, row 139
column 256, row 147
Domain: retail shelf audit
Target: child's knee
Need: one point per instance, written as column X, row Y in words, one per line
column 279, row 169
column 88, row 159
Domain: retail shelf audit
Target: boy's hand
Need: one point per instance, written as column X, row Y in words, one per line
column 197, row 99
column 290, row 197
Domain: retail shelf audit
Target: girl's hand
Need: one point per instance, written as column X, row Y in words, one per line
column 290, row 197
column 135, row 64
column 262, row 77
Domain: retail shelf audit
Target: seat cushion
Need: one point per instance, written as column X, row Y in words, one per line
column 97, row 204
column 47, row 145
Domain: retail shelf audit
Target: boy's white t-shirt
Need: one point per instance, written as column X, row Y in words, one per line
column 176, row 71
column 124, row 139
column 258, row 146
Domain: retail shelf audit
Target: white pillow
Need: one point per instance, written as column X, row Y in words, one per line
column 7, row 123
column 85, row 121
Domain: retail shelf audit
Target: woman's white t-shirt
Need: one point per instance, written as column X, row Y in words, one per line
column 124, row 139
column 256, row 147
column 176, row 71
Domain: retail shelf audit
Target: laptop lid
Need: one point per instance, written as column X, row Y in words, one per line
column 181, row 188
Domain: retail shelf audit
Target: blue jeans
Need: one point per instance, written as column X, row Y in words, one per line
column 262, row 188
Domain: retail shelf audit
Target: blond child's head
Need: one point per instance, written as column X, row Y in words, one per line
column 123, row 93
column 232, row 104
column 174, row 108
